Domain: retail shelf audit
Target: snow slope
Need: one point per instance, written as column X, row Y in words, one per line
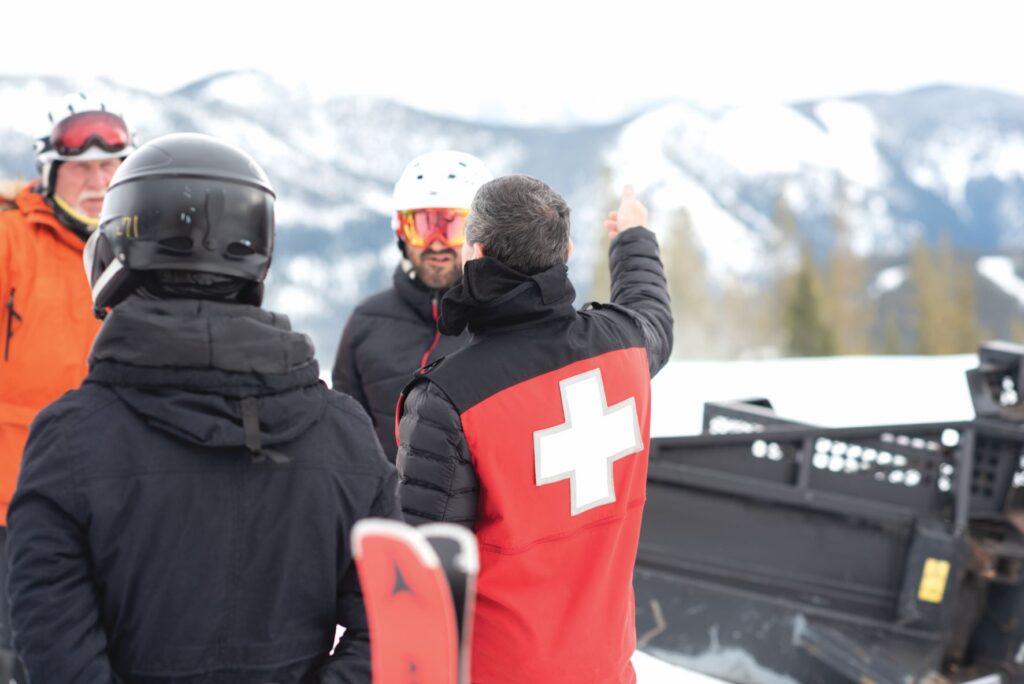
column 1001, row 272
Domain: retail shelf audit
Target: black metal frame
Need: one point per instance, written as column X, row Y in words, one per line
column 820, row 552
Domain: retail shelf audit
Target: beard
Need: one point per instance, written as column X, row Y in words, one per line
column 438, row 276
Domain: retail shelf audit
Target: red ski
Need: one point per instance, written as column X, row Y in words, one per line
column 419, row 588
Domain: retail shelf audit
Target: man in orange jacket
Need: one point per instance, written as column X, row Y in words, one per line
column 46, row 320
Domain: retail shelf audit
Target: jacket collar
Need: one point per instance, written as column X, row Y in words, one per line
column 415, row 294
column 493, row 296
column 32, row 204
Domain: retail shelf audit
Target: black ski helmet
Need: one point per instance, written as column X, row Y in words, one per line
column 182, row 202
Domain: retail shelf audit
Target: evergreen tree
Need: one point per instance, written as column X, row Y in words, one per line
column 808, row 332
column 892, row 336
column 783, row 258
column 688, row 287
column 926, row 279
column 946, row 313
column 967, row 333
column 847, row 309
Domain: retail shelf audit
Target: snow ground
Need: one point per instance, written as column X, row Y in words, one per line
column 650, row 670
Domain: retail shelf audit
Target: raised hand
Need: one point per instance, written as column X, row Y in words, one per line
column 630, row 214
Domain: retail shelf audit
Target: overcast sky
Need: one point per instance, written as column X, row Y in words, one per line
column 531, row 60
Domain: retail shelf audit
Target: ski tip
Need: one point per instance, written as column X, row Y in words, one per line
column 468, row 559
column 382, row 527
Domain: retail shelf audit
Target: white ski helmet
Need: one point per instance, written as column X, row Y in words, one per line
column 442, row 180
column 81, row 130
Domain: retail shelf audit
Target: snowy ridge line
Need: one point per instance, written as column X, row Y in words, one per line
column 904, row 165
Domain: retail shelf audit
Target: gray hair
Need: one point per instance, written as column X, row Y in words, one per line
column 521, row 222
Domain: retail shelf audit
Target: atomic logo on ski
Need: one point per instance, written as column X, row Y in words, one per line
column 400, row 583
column 585, row 446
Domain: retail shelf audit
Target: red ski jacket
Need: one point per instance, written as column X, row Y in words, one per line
column 537, row 434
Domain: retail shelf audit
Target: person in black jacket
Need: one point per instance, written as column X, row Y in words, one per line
column 393, row 333
column 184, row 516
column 535, row 435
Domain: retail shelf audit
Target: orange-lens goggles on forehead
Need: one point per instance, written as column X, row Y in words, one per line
column 420, row 227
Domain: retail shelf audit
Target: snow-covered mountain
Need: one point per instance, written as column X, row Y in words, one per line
column 895, row 167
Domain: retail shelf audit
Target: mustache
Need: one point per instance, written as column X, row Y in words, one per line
column 91, row 195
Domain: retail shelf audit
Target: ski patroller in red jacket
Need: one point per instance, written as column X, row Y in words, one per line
column 536, row 434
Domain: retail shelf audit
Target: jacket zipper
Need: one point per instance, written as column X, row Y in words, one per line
column 437, row 336
column 11, row 316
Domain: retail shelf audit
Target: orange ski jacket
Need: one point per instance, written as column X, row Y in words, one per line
column 46, row 323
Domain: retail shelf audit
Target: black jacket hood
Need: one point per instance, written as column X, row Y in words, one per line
column 494, row 296
column 201, row 370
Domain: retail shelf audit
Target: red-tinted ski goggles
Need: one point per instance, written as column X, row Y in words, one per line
column 421, row 227
column 77, row 133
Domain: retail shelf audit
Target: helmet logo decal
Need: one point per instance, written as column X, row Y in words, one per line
column 129, row 227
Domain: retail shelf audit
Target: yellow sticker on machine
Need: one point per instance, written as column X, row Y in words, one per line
column 933, row 580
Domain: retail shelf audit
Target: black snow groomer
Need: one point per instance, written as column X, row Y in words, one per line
column 775, row 552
